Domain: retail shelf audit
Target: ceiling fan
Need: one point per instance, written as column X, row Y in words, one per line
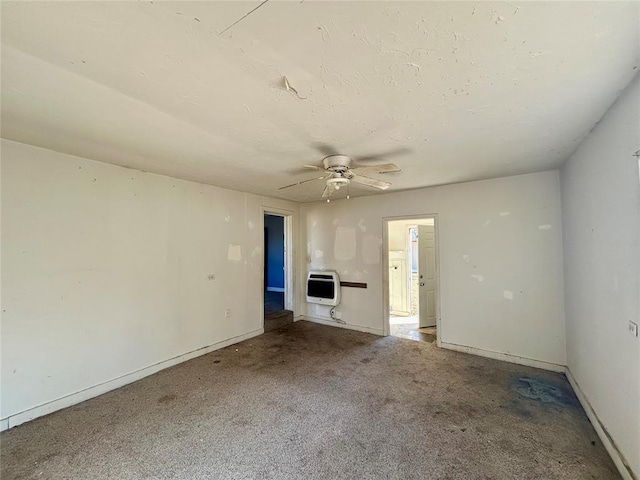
column 337, row 173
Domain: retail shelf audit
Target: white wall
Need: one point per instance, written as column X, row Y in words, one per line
column 498, row 238
column 105, row 271
column 601, row 209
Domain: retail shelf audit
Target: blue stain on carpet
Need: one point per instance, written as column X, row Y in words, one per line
column 544, row 391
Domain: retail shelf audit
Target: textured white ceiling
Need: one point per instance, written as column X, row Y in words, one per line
column 454, row 91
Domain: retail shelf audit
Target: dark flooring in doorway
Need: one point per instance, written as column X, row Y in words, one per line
column 318, row 402
column 273, row 302
column 275, row 316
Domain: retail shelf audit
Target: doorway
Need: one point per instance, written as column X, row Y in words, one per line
column 277, row 281
column 411, row 277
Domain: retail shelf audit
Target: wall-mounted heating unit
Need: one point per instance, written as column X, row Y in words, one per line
column 323, row 287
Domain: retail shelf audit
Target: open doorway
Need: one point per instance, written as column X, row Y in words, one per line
column 412, row 279
column 278, row 309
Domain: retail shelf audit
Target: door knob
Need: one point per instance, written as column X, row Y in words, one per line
column 422, row 284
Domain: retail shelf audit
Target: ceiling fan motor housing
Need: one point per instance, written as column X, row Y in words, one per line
column 337, row 163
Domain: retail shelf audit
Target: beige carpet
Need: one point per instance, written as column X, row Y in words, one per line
column 312, row 401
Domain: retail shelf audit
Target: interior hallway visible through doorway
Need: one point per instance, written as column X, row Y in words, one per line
column 276, row 314
column 412, row 278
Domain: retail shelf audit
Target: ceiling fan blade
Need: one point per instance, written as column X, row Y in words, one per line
column 325, row 149
column 328, row 190
column 303, row 182
column 371, row 182
column 380, row 156
column 384, row 168
column 312, row 167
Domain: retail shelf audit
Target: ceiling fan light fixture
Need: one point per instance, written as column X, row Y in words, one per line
column 338, row 182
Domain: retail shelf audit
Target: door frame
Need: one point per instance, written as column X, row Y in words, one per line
column 287, row 216
column 386, row 327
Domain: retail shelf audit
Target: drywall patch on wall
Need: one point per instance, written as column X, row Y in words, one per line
column 544, row 227
column 234, row 253
column 466, row 258
column 319, row 254
column 508, row 294
column 371, row 250
column 505, row 214
column 477, row 277
column 344, row 247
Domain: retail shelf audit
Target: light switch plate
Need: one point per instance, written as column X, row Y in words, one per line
column 633, row 328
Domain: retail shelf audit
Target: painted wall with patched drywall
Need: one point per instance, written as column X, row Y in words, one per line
column 274, row 230
column 500, row 260
column 105, row 271
column 601, row 210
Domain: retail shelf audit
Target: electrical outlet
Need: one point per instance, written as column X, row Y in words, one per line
column 211, row 277
column 633, row 328
column 227, row 313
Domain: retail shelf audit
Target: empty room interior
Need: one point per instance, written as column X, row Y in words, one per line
column 307, row 239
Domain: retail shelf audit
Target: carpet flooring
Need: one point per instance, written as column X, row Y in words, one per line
column 316, row 402
column 275, row 320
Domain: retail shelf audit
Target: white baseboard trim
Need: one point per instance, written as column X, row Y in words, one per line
column 275, row 289
column 348, row 326
column 618, row 459
column 91, row 392
column 505, row 357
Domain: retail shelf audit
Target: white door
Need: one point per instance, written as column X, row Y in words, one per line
column 427, row 276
